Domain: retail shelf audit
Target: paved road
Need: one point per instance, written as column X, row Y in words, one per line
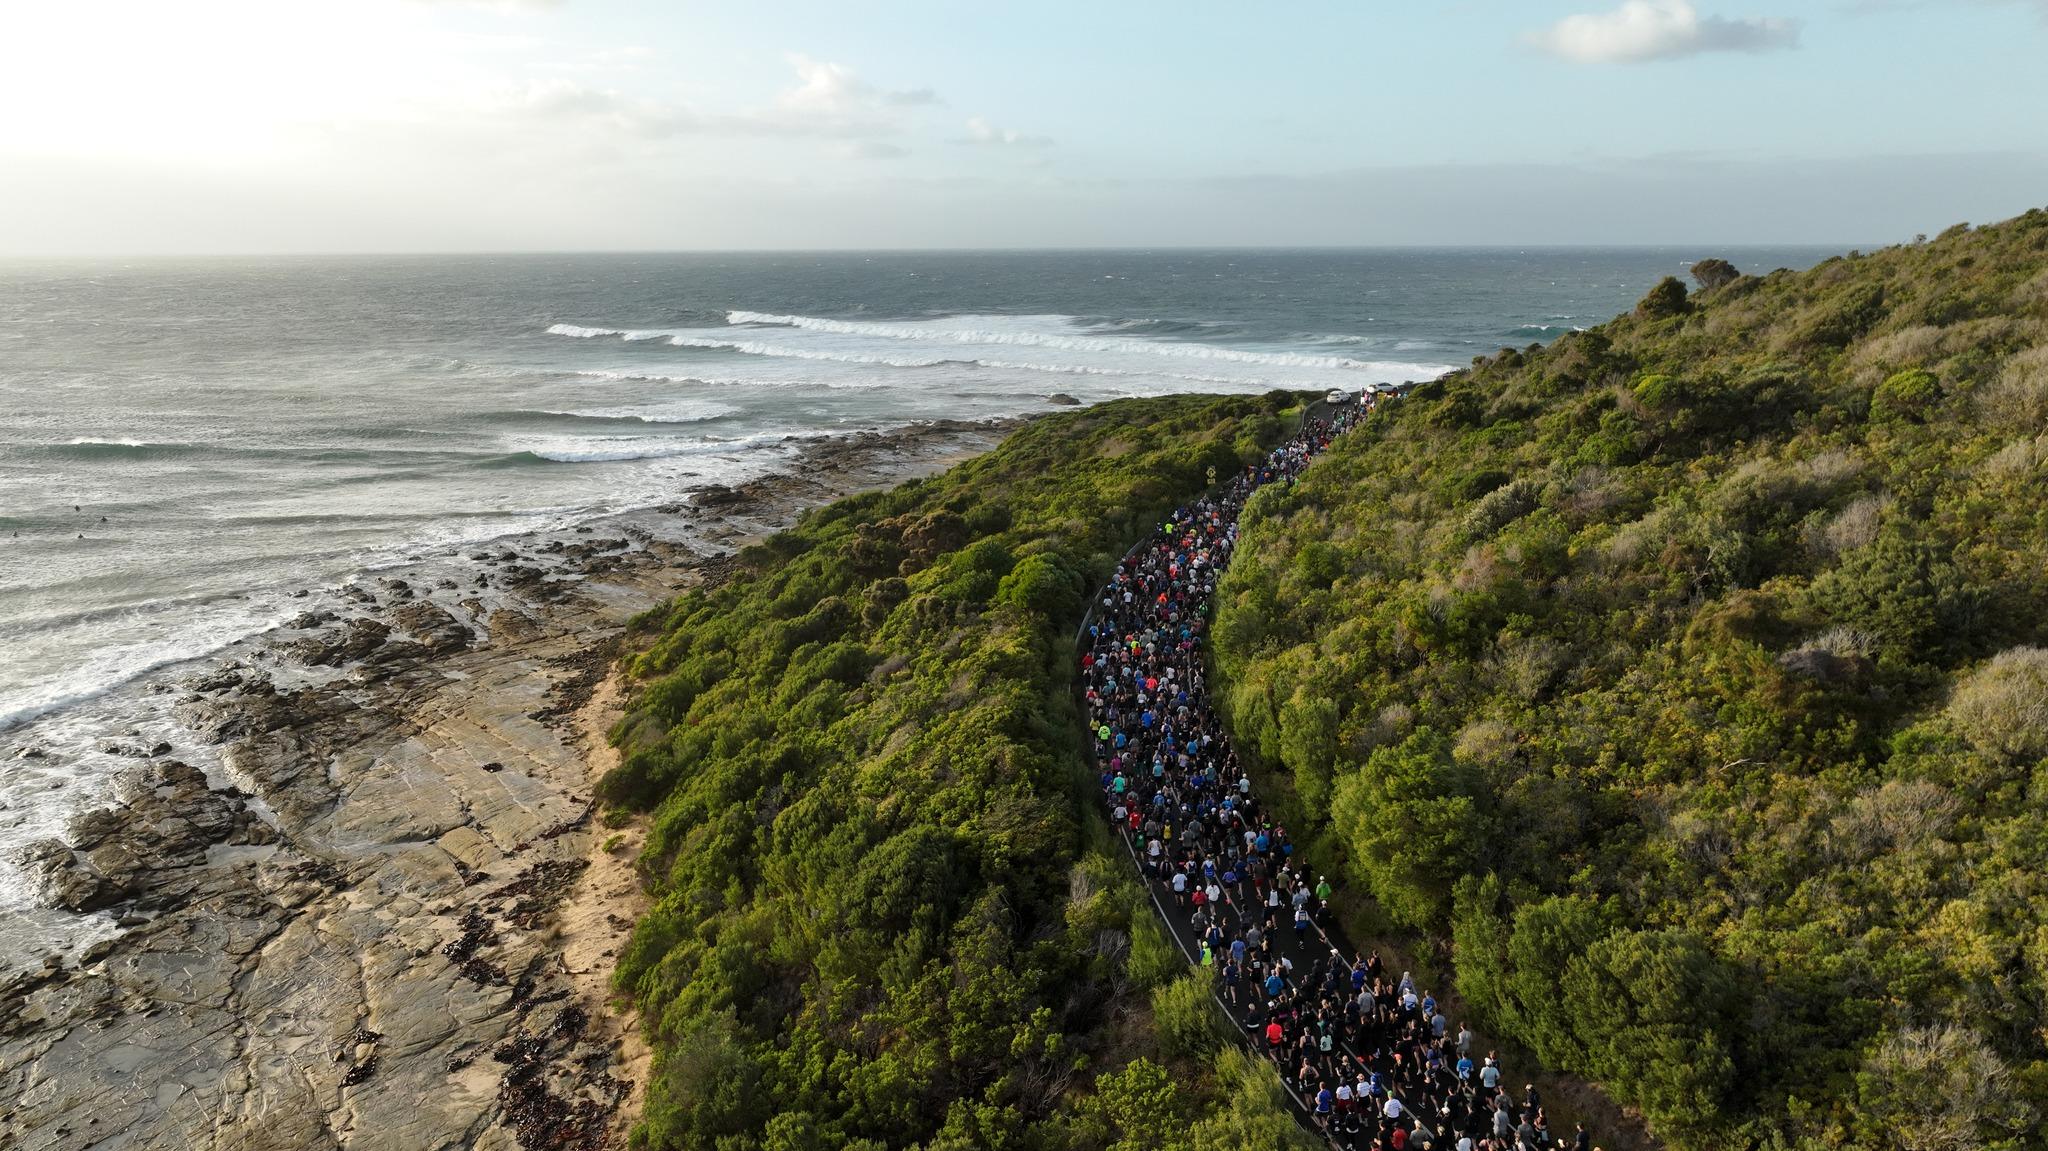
column 1303, row 953
column 1320, row 941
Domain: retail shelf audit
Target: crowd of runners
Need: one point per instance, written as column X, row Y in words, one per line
column 1370, row 1056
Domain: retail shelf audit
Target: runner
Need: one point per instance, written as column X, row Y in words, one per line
column 1375, row 1063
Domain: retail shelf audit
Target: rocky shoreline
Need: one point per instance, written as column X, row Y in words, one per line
column 385, row 918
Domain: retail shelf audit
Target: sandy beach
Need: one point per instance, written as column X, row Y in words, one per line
column 388, row 918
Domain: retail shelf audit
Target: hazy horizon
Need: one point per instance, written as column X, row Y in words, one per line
column 1051, row 250
column 237, row 127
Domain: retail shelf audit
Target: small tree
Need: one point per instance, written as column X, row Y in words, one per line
column 1479, row 946
column 1655, row 1010
column 1547, row 936
column 1308, row 746
column 1714, row 273
column 1665, row 300
column 1143, row 1106
column 1411, row 817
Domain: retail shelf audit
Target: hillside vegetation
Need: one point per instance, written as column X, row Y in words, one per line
column 1689, row 678
column 879, row 921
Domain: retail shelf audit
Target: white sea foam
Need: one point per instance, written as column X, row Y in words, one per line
column 616, row 449
column 757, row 348
column 1042, row 332
column 855, row 383
column 656, row 377
column 629, row 334
column 1091, row 370
column 1066, row 346
column 679, row 412
column 605, row 455
column 107, row 689
column 122, row 656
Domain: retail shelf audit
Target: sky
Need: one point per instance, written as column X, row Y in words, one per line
column 271, row 126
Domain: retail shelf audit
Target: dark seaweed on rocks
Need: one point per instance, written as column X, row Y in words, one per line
column 476, row 933
column 360, row 1072
column 543, row 1119
column 539, row 889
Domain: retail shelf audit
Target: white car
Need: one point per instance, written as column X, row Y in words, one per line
column 1337, row 396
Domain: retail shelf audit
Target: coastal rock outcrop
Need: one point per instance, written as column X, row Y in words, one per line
column 351, row 935
column 163, row 818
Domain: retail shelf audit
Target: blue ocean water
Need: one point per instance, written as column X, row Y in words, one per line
column 183, row 442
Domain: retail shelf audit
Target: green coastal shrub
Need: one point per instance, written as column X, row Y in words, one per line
column 1046, row 585
column 1687, row 681
column 1714, row 273
column 1412, row 820
column 1140, row 1108
column 1906, row 397
column 1190, row 1024
column 877, row 918
column 1659, row 391
column 1656, row 1013
column 1665, row 300
column 1843, row 315
column 1155, row 959
column 1309, row 747
column 1255, row 1115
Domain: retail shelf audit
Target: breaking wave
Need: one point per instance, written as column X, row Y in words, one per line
column 968, row 341
column 1031, row 331
column 630, row 335
column 685, row 412
column 621, row 449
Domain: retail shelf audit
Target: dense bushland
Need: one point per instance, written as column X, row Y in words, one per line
column 1688, row 677
column 879, row 920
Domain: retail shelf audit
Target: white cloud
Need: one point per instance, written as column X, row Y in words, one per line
column 832, row 90
column 1645, row 30
column 827, row 101
column 980, row 131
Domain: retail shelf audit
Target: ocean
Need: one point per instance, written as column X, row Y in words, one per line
column 187, row 443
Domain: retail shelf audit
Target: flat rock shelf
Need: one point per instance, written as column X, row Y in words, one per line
column 351, row 932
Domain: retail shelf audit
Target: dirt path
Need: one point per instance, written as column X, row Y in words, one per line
column 597, row 919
